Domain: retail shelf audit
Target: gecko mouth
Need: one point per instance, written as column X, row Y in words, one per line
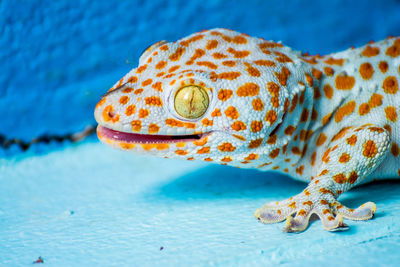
column 133, row 138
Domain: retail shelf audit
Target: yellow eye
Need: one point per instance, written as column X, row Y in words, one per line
column 191, row 101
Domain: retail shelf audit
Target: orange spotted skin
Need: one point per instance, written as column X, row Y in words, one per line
column 332, row 121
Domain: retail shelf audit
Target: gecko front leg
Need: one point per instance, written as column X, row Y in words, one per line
column 352, row 154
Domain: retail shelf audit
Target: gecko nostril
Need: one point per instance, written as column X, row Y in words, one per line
column 111, row 114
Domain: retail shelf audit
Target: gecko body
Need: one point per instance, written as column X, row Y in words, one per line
column 225, row 97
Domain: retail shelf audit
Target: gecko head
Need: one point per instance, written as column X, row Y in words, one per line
column 212, row 96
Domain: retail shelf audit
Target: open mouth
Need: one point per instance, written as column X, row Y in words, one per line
column 118, row 136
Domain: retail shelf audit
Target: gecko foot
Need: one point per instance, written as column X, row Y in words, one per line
column 297, row 211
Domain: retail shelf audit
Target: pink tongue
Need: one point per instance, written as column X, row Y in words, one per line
column 143, row 138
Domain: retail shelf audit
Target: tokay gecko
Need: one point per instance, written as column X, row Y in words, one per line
column 225, row 97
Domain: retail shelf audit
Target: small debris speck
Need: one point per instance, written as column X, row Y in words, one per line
column 161, row 248
column 39, row 260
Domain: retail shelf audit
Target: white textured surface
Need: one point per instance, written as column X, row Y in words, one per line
column 126, row 207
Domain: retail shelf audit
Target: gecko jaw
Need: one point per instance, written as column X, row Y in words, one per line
column 134, row 138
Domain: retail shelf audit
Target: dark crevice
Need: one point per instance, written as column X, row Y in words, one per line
column 74, row 137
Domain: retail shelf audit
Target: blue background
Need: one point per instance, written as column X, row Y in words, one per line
column 86, row 204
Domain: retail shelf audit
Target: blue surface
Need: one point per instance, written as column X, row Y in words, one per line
column 86, row 204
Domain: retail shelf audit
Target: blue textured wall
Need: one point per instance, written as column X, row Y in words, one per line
column 58, row 57
column 88, row 205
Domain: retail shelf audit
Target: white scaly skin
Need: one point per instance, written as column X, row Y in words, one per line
column 331, row 121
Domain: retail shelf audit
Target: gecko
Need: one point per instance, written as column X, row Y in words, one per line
column 225, row 97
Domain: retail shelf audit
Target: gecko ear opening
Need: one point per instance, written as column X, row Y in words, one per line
column 191, row 101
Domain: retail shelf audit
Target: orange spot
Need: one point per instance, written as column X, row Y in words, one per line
column 321, row 139
column 237, row 53
column 153, row 128
column 255, row 143
column 313, row 157
column 226, row 147
column 143, row 113
column 326, row 118
column 271, row 116
column 198, row 53
column 294, row 103
column 132, row 79
column 174, row 68
column 339, row 178
column 229, row 63
column 201, row 142
column 130, row 110
column 240, row 137
column 345, row 110
column 370, row 51
column 248, row 89
column 127, row 90
column 123, row 100
column 388, row 128
column 329, row 71
column 258, row 104
column 267, row 63
column 211, row 44
column 334, row 61
column 219, row 56
column 309, row 79
column 216, row 113
column 181, row 152
column 383, row 66
column 251, row 70
column 160, row 65
column 256, row 126
column 274, row 153
column 390, row 85
column 206, row 122
column 239, row 40
column 282, row 58
column 344, row 158
column 153, row 101
column 180, row 144
column 232, row 113
column 316, row 73
column 226, row 159
column 366, row 71
column 147, row 82
column 301, row 98
column 224, row 94
column 208, row 159
column 126, row 145
column 191, row 40
column 300, row 170
column 375, row 101
column 239, row 126
column 141, row 69
column 344, row 82
column 289, row 130
column 207, row 64
column 395, row 149
column 314, row 114
column 157, row 86
column 136, row 125
column 363, row 109
column 370, row 149
column 304, row 115
column 138, row 91
column 394, row 50
column 391, row 113
column 283, row 76
column 203, row 150
column 177, row 54
column 229, row 75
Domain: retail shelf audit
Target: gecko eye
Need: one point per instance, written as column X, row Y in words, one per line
column 191, row 101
